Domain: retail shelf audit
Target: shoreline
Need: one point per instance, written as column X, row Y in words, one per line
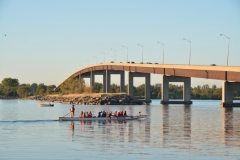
column 91, row 99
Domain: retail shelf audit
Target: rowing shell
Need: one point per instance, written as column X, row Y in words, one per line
column 101, row 118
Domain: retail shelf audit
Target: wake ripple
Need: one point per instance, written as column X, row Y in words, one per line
column 26, row 121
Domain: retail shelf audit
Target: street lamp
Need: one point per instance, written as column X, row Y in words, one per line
column 163, row 52
column 142, row 51
column 127, row 52
column 96, row 59
column 228, row 45
column 114, row 55
column 104, row 56
column 190, row 50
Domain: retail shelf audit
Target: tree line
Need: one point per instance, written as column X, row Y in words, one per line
column 11, row 88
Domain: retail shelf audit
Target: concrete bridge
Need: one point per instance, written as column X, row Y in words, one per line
column 171, row 73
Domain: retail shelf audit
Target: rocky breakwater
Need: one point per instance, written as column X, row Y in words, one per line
column 101, row 99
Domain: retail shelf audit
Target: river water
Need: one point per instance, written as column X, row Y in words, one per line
column 202, row 130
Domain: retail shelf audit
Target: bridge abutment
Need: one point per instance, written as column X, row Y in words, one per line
column 186, row 89
column 131, row 75
column 227, row 94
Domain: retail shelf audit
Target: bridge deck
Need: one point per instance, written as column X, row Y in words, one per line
column 227, row 73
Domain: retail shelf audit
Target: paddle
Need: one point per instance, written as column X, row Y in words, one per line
column 66, row 114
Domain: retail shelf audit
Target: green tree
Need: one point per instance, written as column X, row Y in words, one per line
column 9, row 86
column 33, row 88
column 217, row 93
column 114, row 88
column 41, row 89
column 50, row 89
column 97, row 87
column 23, row 91
column 155, row 91
column 73, row 85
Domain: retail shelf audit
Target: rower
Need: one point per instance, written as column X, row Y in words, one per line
column 124, row 113
column 81, row 115
column 72, row 109
column 90, row 114
column 115, row 114
column 139, row 113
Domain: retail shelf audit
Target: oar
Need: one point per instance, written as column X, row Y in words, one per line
column 66, row 114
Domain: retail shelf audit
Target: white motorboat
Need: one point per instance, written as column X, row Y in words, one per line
column 46, row 105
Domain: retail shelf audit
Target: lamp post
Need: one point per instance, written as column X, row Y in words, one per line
column 190, row 50
column 228, row 45
column 104, row 56
column 114, row 55
column 127, row 52
column 96, row 59
column 142, row 51
column 163, row 52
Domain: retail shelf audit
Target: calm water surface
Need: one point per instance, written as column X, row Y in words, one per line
column 200, row 131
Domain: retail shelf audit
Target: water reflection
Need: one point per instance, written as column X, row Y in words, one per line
column 71, row 130
column 230, row 130
column 175, row 129
column 176, row 126
column 187, row 122
column 165, row 125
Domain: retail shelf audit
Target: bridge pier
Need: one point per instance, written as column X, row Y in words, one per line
column 92, row 79
column 227, row 94
column 186, row 89
column 147, row 84
column 108, row 80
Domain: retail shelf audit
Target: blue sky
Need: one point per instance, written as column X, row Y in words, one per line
column 46, row 41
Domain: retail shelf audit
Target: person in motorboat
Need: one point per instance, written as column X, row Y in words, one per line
column 72, row 110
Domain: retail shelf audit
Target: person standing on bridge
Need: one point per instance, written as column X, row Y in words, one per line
column 72, row 110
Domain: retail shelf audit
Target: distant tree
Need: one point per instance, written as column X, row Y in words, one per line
column 217, row 93
column 23, row 91
column 140, row 90
column 114, row 88
column 155, row 91
column 97, row 87
column 9, row 87
column 33, row 88
column 1, row 89
column 72, row 85
column 41, row 89
column 50, row 89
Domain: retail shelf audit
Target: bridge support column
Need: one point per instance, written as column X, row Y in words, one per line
column 227, row 94
column 92, row 79
column 108, row 80
column 147, row 84
column 186, row 89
